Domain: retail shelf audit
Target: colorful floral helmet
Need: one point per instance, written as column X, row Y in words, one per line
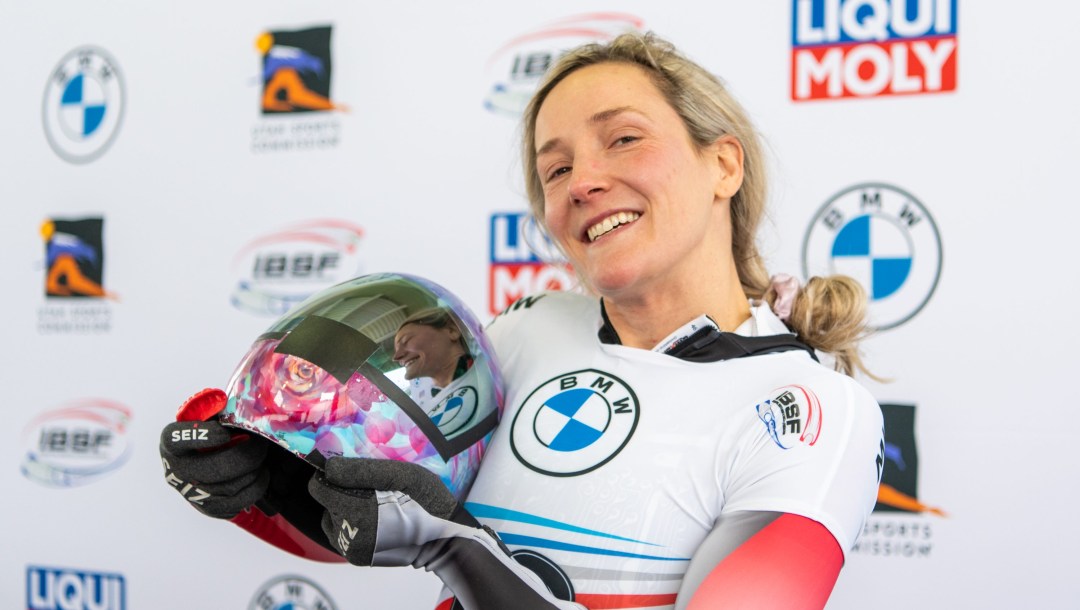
column 323, row 382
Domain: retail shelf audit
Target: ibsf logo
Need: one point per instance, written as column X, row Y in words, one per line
column 517, row 66
column 886, row 239
column 523, row 261
column 792, row 416
column 291, row 593
column 83, row 105
column 76, row 444
column 66, row 589
column 279, row 270
column 867, row 48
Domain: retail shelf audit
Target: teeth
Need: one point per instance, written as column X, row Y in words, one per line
column 609, row 223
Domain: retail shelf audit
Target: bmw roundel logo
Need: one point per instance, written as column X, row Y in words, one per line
column 291, row 593
column 884, row 238
column 83, row 105
column 574, row 423
column 455, row 410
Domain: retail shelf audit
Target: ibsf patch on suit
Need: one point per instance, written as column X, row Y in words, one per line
column 791, row 416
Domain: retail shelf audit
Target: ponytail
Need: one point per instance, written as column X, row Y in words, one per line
column 829, row 315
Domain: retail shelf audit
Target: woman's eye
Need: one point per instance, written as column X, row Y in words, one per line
column 626, row 139
column 558, row 171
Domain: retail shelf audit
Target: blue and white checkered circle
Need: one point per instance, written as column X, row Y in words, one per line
column 572, row 420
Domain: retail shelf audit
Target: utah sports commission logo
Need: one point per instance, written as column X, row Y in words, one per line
column 898, row 526
column 83, row 105
column 296, row 70
column 886, row 239
column 900, row 472
column 869, row 48
column 295, row 74
column 574, row 423
column 291, row 593
column 74, row 257
column 516, row 67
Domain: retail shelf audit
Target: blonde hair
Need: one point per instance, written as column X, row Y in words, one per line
column 831, row 311
column 829, row 314
column 438, row 318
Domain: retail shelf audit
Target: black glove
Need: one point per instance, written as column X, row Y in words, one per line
column 426, row 510
column 220, row 471
column 390, row 513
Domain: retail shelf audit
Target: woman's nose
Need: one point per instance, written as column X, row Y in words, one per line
column 587, row 180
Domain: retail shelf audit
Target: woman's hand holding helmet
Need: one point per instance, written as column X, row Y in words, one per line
column 392, row 513
column 370, row 527
column 219, row 470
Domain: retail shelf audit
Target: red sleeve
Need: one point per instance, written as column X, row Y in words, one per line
column 790, row 564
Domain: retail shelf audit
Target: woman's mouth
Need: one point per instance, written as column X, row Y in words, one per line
column 610, row 223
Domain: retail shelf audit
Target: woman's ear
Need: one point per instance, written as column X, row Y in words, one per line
column 727, row 154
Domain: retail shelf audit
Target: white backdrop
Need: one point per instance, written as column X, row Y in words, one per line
column 194, row 184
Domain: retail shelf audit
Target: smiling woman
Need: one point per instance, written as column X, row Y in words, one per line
column 669, row 441
column 429, row 344
column 614, row 149
column 673, row 443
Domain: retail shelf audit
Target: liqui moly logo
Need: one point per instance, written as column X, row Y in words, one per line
column 870, row 48
column 67, row 589
column 523, row 261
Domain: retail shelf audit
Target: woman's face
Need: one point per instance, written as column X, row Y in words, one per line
column 426, row 351
column 632, row 201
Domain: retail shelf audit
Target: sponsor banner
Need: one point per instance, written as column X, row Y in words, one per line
column 901, row 525
column 285, row 592
column 295, row 103
column 276, row 271
column 792, row 416
column 886, row 239
column 574, row 423
column 76, row 444
column 70, row 589
column 83, row 105
column 870, row 48
column 76, row 300
column 523, row 261
column 515, row 68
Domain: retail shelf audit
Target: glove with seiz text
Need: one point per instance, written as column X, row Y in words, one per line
column 219, row 471
column 390, row 513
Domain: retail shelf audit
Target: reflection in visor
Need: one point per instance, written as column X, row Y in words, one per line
column 312, row 414
column 322, row 382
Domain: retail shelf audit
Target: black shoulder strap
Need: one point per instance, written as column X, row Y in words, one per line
column 710, row 345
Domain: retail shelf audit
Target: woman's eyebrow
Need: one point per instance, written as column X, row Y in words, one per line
column 599, row 117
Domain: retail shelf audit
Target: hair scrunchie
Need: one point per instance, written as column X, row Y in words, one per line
column 786, row 288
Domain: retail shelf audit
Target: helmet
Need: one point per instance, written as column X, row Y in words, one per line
column 323, row 380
